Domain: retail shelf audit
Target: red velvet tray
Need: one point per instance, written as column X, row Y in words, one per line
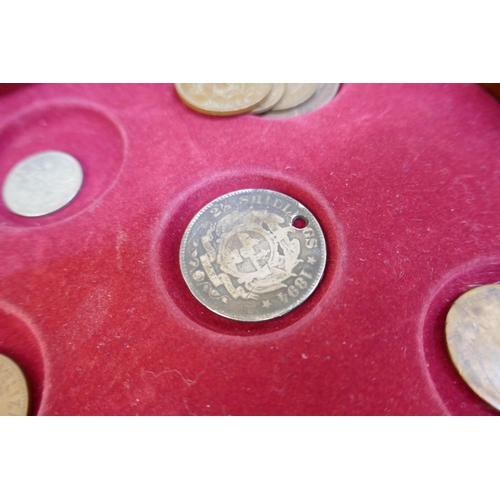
column 404, row 180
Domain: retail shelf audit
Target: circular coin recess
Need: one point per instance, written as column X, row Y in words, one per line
column 253, row 255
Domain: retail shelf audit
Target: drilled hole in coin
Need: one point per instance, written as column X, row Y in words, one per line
column 299, row 222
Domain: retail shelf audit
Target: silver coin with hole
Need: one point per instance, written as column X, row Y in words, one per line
column 253, row 255
column 42, row 183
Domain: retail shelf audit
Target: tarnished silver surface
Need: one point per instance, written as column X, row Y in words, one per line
column 242, row 257
column 323, row 95
column 13, row 389
column 473, row 337
column 42, row 184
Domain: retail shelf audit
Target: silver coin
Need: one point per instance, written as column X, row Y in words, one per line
column 323, row 95
column 473, row 338
column 253, row 255
column 42, row 183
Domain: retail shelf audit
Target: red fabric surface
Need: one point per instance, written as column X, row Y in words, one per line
column 404, row 180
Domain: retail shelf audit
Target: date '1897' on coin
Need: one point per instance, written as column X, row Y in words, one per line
column 253, row 255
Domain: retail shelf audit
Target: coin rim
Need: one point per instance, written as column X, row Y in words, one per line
column 303, row 109
column 265, row 109
column 314, row 284
column 232, row 112
column 21, row 163
column 24, row 384
column 294, row 104
column 453, row 352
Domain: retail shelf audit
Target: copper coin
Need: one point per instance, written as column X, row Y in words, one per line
column 253, row 255
column 473, row 337
column 13, row 389
column 271, row 100
column 295, row 94
column 224, row 99
column 323, row 95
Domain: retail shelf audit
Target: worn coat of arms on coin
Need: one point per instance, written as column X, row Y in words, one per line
column 253, row 255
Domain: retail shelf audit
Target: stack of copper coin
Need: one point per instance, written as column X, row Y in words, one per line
column 266, row 99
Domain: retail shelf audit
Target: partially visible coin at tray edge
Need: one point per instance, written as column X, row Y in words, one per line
column 473, row 338
column 323, row 95
column 271, row 99
column 14, row 396
column 223, row 99
column 295, row 94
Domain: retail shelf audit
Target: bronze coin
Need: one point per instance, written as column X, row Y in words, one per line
column 473, row 337
column 223, row 99
column 13, row 389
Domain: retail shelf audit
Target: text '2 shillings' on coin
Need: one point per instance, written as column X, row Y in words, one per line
column 253, row 255
column 13, row 389
column 42, row 184
column 223, row 99
column 473, row 337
